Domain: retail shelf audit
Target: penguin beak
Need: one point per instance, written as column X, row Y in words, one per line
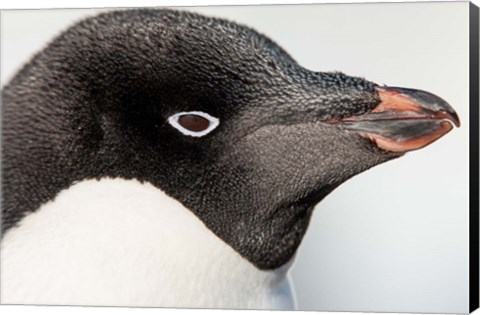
column 405, row 120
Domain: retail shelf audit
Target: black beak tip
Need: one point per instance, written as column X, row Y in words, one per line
column 455, row 119
column 432, row 103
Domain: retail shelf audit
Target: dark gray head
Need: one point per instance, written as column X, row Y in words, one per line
column 105, row 99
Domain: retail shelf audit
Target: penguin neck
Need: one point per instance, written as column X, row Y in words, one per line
column 128, row 234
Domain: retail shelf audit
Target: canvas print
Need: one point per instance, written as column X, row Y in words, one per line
column 207, row 157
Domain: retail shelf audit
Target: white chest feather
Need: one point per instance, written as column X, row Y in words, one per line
column 123, row 243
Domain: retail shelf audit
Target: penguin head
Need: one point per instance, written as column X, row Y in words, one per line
column 221, row 118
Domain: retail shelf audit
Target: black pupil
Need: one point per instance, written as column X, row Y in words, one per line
column 193, row 122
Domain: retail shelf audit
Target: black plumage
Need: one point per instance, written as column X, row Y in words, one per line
column 95, row 103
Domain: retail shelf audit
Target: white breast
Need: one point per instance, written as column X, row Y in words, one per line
column 122, row 243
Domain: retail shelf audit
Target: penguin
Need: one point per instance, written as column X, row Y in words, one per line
column 161, row 158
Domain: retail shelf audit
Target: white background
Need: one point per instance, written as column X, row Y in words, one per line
column 396, row 237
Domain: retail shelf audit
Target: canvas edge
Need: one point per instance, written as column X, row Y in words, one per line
column 474, row 159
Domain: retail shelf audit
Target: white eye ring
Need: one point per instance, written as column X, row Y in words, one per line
column 174, row 121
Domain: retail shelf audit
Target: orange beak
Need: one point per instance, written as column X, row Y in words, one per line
column 405, row 120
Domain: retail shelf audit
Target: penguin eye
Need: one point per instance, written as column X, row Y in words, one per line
column 194, row 124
